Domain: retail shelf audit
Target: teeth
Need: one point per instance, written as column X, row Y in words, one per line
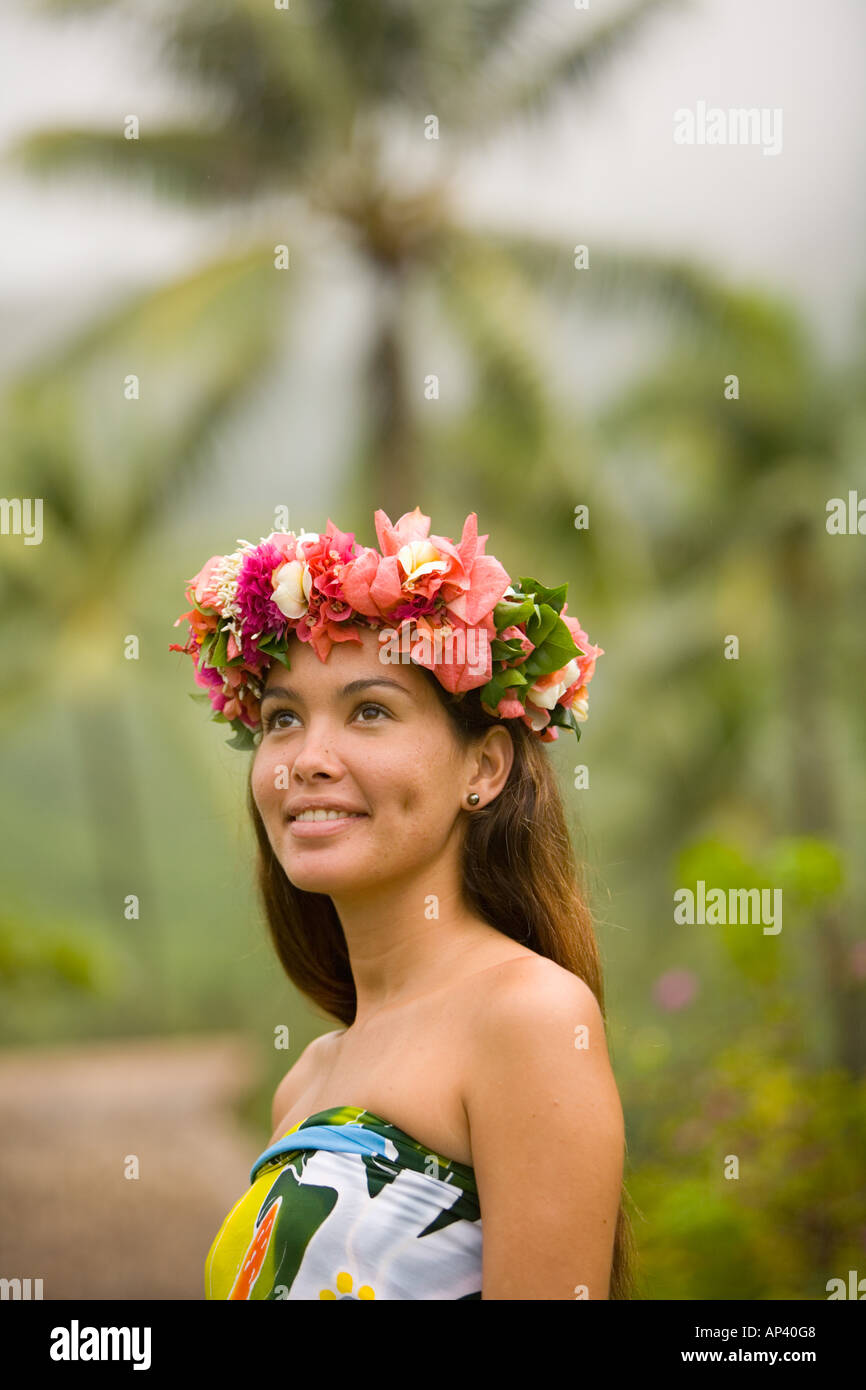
column 327, row 815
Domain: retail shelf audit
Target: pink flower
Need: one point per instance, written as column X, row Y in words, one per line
column 417, row 568
column 329, row 614
column 259, row 615
column 358, row 579
column 224, row 689
column 857, row 958
column 200, row 625
column 509, row 707
column 203, row 586
column 586, row 661
column 675, row 989
column 285, row 542
column 459, row 656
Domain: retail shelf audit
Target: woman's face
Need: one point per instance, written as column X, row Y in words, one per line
column 386, row 750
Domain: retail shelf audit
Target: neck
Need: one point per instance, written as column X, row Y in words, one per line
column 408, row 937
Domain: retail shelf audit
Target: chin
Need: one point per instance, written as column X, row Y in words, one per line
column 313, row 878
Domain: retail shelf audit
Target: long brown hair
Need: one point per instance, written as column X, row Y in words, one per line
column 519, row 874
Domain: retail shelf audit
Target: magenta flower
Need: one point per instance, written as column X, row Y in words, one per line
column 258, row 613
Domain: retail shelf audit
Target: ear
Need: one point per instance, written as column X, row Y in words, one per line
column 494, row 757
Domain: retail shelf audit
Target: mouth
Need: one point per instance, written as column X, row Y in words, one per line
column 317, row 826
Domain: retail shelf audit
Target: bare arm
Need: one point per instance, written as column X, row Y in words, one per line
column 548, row 1137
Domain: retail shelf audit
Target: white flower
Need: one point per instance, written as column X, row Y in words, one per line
column 292, row 592
column 547, row 697
column 419, row 558
column 536, row 718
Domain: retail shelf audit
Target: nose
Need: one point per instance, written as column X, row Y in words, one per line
column 315, row 755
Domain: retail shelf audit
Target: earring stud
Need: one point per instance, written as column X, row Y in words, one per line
column 473, row 799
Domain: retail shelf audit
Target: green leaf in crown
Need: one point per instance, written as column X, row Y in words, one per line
column 512, row 611
column 500, row 684
column 509, row 650
column 215, row 652
column 554, row 598
column 556, row 648
column 275, row 646
column 206, row 612
column 541, row 624
column 565, row 718
column 243, row 738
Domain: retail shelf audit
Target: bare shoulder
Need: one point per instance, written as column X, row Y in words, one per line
column 301, row 1072
column 529, row 990
column 537, row 1019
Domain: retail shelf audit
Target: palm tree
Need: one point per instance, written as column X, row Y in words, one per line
column 308, row 99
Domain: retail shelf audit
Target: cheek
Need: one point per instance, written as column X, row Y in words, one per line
column 418, row 797
column 263, row 781
column 419, row 793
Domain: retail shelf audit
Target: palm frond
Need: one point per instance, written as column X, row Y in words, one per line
column 692, row 294
column 487, row 297
column 513, row 83
column 226, row 293
column 177, row 163
column 276, row 76
column 107, row 476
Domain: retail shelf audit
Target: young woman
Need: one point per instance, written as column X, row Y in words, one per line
column 461, row 1134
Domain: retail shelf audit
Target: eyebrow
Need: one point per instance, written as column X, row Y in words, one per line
column 349, row 689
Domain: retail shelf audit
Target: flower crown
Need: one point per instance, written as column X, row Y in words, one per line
column 447, row 607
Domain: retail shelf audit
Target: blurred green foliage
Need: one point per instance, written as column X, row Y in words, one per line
column 43, row 956
column 750, row 1182
column 790, row 1214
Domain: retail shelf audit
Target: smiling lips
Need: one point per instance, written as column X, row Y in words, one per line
column 319, row 821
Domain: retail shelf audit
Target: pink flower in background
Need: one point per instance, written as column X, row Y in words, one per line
column 857, row 959
column 675, row 989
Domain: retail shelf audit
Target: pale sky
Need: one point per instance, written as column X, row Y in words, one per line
column 606, row 171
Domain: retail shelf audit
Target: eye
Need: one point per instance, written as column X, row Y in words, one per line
column 369, row 705
column 270, row 721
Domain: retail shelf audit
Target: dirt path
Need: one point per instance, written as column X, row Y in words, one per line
column 69, row 1117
